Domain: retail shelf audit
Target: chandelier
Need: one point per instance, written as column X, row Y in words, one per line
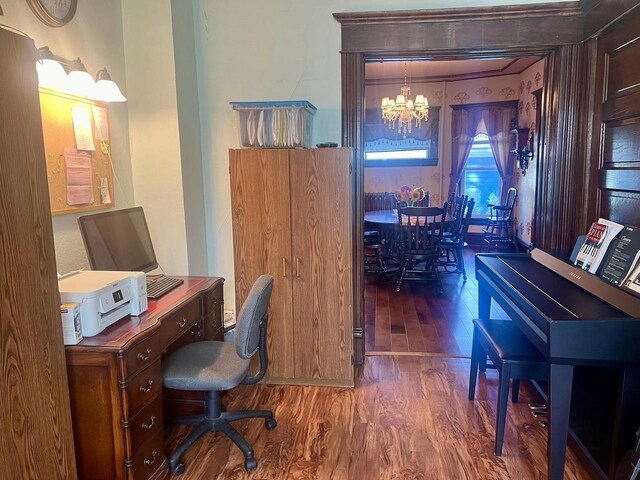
column 404, row 109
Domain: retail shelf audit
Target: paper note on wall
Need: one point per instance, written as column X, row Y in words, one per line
column 82, row 128
column 102, row 122
column 79, row 177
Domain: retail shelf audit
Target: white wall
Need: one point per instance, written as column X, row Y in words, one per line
column 154, row 128
column 94, row 35
column 275, row 50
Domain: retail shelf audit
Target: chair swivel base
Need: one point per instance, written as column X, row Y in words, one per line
column 220, row 424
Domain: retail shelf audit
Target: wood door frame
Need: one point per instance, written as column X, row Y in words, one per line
column 474, row 33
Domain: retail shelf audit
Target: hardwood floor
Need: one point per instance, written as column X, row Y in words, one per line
column 407, row 418
column 419, row 321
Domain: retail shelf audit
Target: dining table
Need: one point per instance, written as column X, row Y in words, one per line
column 386, row 222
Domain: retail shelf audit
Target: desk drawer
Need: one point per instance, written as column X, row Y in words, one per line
column 177, row 323
column 142, row 388
column 141, row 355
column 213, row 301
column 151, row 457
column 145, row 424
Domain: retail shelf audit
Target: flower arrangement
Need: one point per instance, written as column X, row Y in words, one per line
column 410, row 195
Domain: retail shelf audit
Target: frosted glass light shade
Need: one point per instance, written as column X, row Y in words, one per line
column 80, row 83
column 106, row 90
column 51, row 74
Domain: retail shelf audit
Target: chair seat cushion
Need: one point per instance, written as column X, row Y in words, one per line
column 508, row 341
column 204, row 366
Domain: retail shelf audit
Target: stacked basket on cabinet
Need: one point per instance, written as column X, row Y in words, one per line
column 275, row 124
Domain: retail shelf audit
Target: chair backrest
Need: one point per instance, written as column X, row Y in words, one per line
column 456, row 216
column 252, row 314
column 512, row 193
column 421, row 230
column 467, row 219
column 374, row 201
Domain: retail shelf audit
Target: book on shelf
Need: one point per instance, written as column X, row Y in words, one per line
column 595, row 247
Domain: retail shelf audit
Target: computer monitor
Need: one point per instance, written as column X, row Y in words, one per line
column 118, row 240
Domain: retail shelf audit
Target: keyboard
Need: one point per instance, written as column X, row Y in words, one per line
column 158, row 285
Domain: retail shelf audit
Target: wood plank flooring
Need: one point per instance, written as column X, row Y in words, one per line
column 417, row 320
column 407, row 418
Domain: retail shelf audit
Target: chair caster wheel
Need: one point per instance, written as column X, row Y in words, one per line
column 178, row 469
column 270, row 423
column 250, row 464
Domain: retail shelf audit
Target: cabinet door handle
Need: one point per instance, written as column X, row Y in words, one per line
column 284, row 267
column 149, row 426
column 147, row 462
column 182, row 322
column 297, row 267
column 147, row 389
column 144, row 356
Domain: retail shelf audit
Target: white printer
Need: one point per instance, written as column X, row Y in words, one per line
column 104, row 297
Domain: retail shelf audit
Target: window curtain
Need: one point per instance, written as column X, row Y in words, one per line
column 464, row 127
column 497, row 121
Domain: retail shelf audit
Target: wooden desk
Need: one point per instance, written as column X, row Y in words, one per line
column 115, row 382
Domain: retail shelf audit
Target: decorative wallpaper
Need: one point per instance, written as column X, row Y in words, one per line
column 530, row 80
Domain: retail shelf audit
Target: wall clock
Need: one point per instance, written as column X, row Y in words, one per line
column 54, row 13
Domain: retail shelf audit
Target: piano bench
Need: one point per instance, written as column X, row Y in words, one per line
column 513, row 355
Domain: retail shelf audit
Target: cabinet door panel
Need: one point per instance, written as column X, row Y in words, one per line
column 322, row 263
column 262, row 242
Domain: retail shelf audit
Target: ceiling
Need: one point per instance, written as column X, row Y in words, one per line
column 392, row 71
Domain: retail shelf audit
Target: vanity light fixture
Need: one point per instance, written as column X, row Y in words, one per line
column 52, row 74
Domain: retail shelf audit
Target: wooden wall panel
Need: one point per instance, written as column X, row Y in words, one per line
column 616, row 160
column 35, row 417
column 621, row 144
column 620, row 206
column 598, row 14
column 262, row 242
column 559, row 220
column 624, row 71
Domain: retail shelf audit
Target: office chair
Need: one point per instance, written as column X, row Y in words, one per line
column 216, row 366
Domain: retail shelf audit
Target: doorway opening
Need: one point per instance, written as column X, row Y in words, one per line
column 416, row 320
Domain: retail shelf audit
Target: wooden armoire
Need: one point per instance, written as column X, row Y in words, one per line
column 292, row 219
column 35, row 418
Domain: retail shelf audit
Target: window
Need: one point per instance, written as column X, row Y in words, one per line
column 398, row 158
column 480, row 178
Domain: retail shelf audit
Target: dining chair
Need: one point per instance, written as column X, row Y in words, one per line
column 499, row 230
column 420, row 234
column 453, row 245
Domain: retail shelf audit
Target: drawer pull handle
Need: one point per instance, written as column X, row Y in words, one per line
column 182, row 322
column 149, row 426
column 144, row 356
column 147, row 389
column 147, row 462
column 297, row 267
column 284, row 267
